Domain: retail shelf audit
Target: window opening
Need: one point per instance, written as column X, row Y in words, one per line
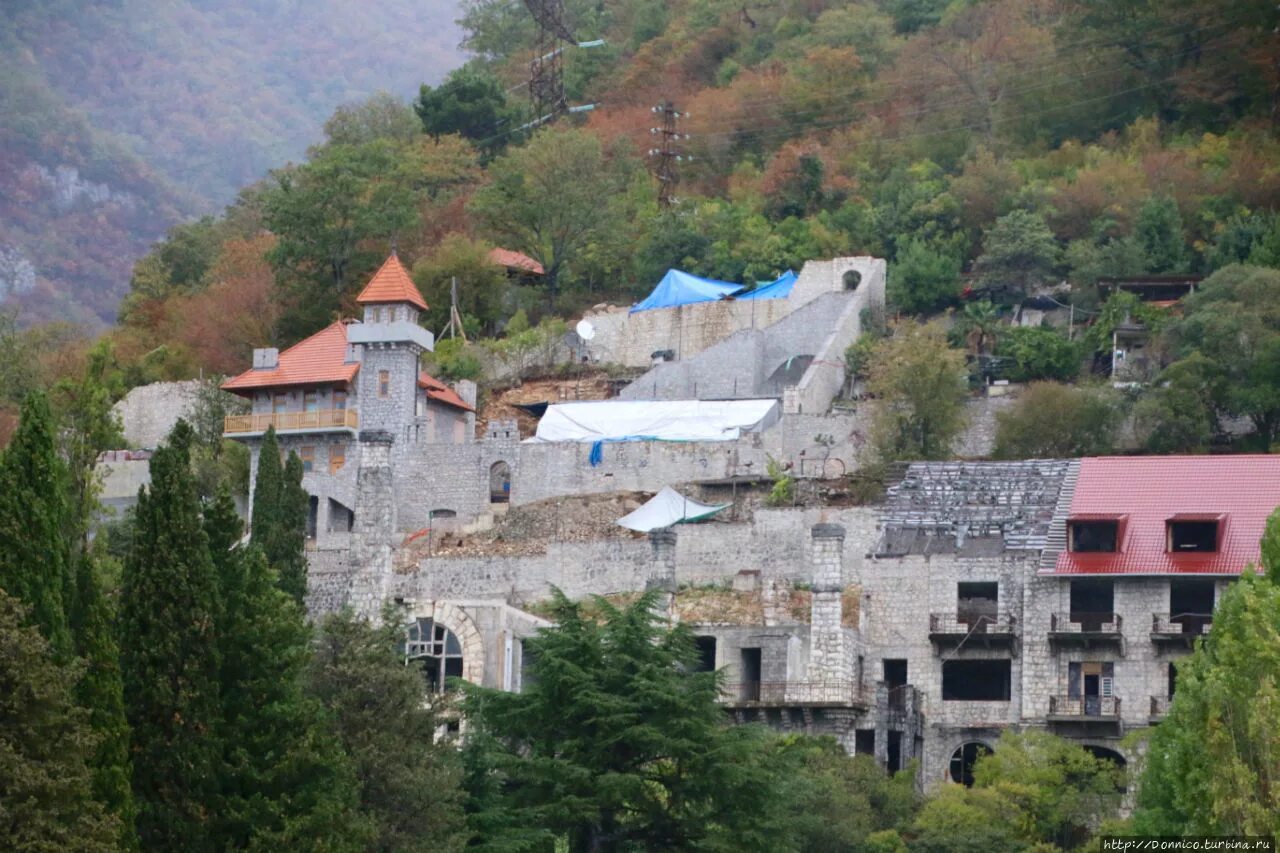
column 437, row 651
column 1191, row 604
column 311, row 401
column 313, row 513
column 706, row 654
column 1091, row 682
column 339, row 399
column 1193, row 537
column 384, row 383
column 976, row 680
column 341, row 518
column 963, row 759
column 750, row 667
column 977, row 604
column 1173, row 679
column 307, row 453
column 895, row 678
column 337, row 457
column 893, row 754
column 864, row 742
column 851, row 279
column 1093, row 603
column 1094, row 537
column 280, row 402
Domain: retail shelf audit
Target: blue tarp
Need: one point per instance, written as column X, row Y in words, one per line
column 777, row 289
column 681, row 288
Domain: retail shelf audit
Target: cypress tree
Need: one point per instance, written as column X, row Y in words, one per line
column 288, row 547
column 46, row 801
column 34, row 560
column 267, row 487
column 410, row 784
column 287, row 780
column 101, row 693
column 170, row 660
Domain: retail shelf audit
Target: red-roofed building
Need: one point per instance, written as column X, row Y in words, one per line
column 349, row 380
column 517, row 264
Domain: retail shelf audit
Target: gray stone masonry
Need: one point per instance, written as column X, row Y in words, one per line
column 829, row 653
column 662, row 576
column 375, row 524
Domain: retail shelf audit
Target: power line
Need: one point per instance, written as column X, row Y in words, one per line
column 668, row 153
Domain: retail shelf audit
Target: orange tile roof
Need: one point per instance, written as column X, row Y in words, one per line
column 319, row 359
column 391, row 283
column 441, row 393
column 1148, row 491
column 515, row 260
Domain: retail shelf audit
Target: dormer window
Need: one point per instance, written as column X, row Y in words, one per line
column 1192, row 535
column 1094, row 536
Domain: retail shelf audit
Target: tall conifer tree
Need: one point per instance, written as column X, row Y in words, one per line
column 46, row 800
column 288, row 547
column 34, row 561
column 170, row 661
column 267, row 486
column 287, row 782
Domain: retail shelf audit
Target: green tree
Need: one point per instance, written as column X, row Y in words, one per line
column 1051, row 420
column 1211, row 766
column 919, row 382
column 287, row 781
column 922, row 278
column 380, row 116
column 1038, row 353
column 170, row 665
column 481, row 283
column 268, row 488
column 470, row 102
column 550, row 199
column 1019, row 253
column 979, row 326
column 616, row 743
column 35, row 562
column 100, row 692
column 409, row 783
column 287, row 548
column 1158, row 231
column 46, row 744
column 1179, row 413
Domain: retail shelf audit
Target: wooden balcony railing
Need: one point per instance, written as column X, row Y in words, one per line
column 784, row 693
column 292, row 421
column 1085, row 707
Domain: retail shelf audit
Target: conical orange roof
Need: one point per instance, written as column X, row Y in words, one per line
column 391, row 283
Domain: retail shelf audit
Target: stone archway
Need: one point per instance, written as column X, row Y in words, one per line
column 464, row 627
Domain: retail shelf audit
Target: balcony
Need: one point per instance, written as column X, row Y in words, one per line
column 1159, row 708
column 1085, row 629
column 1179, row 629
column 1085, row 713
column 986, row 631
column 792, row 694
column 316, row 420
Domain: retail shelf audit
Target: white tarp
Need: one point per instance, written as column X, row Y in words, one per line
column 655, row 420
column 666, row 508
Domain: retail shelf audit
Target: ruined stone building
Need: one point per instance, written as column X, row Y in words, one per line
column 977, row 597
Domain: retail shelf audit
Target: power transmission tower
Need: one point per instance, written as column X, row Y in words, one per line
column 667, row 154
column 546, row 70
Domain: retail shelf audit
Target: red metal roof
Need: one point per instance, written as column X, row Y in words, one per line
column 441, row 393
column 515, row 260
column 391, row 283
column 319, row 359
column 1148, row 491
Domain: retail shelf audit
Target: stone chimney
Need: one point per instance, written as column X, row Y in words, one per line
column 266, row 358
column 828, row 645
column 662, row 574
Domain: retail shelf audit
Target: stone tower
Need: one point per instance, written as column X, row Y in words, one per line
column 389, row 342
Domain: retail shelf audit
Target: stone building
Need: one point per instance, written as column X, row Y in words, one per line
column 978, row 597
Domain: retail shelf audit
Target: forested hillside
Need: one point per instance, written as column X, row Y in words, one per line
column 122, row 117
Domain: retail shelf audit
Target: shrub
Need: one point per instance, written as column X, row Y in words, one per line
column 1039, row 353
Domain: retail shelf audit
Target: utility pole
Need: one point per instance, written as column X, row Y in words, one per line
column 667, row 154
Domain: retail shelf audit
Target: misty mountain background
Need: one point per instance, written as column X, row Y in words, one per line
column 120, row 118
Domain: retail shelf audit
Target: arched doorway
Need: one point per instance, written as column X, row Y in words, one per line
column 436, row 650
column 851, row 279
column 500, row 483
column 963, row 759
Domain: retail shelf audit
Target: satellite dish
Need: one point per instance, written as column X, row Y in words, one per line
column 585, row 330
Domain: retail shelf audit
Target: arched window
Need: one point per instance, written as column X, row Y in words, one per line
column 500, row 483
column 851, row 280
column 436, row 649
column 963, row 759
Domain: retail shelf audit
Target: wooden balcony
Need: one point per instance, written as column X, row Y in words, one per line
column 1085, row 629
column 317, row 420
column 793, row 694
column 1179, row 629
column 980, row 631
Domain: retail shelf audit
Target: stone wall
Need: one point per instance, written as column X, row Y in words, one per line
column 631, row 339
column 148, row 413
